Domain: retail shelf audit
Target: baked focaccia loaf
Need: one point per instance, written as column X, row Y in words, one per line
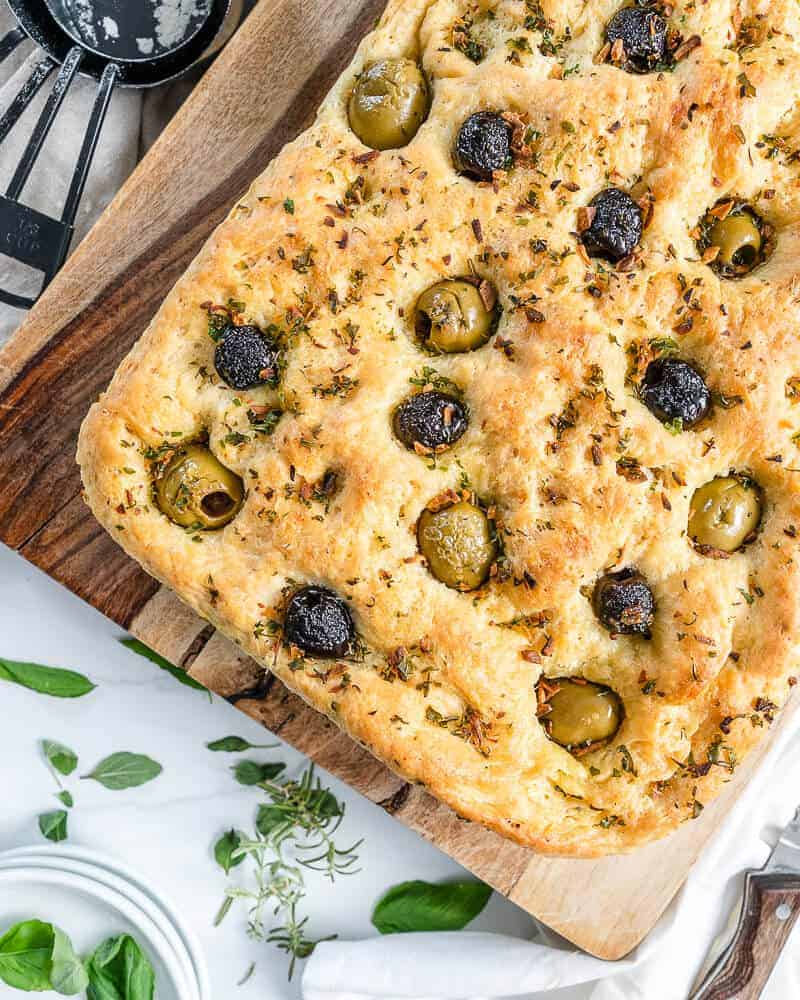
column 476, row 421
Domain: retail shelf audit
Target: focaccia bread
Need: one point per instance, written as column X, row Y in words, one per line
column 476, row 422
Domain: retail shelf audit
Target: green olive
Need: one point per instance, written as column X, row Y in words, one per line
column 197, row 491
column 458, row 543
column 582, row 713
column 724, row 513
column 739, row 240
column 389, row 102
column 452, row 317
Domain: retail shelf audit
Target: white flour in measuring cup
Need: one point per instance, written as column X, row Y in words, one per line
column 174, row 17
column 171, row 22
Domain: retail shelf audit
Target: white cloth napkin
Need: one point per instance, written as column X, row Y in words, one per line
column 470, row 966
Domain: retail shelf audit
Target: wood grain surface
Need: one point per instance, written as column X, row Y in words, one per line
column 770, row 908
column 258, row 95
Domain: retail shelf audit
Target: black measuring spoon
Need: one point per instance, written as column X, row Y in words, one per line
column 118, row 43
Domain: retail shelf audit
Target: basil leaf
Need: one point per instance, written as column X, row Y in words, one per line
column 25, row 952
column 119, row 970
column 65, row 798
column 52, row 681
column 54, row 825
column 270, row 817
column 60, row 757
column 224, row 850
column 125, row 770
column 324, row 803
column 235, row 744
column 67, row 975
column 423, row 906
column 150, row 654
column 250, row 772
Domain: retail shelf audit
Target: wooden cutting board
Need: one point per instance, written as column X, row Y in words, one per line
column 260, row 93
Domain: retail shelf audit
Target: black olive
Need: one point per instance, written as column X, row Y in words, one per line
column 616, row 225
column 245, row 358
column 483, row 145
column 433, row 420
column 624, row 603
column 643, row 33
column 674, row 391
column 319, row 623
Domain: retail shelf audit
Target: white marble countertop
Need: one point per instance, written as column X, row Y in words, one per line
column 166, row 829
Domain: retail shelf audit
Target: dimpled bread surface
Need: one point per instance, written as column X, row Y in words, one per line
column 332, row 247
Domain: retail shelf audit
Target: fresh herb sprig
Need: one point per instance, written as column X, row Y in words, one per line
column 117, row 772
column 295, row 831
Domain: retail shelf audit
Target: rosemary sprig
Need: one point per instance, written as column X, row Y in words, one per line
column 290, row 937
column 295, row 830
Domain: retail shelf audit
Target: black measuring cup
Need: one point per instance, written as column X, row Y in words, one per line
column 117, row 42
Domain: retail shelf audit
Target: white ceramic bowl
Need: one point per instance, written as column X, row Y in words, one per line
column 92, row 897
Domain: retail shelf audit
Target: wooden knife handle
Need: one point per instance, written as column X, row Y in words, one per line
column 770, row 908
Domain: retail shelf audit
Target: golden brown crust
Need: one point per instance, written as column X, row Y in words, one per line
column 334, row 246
